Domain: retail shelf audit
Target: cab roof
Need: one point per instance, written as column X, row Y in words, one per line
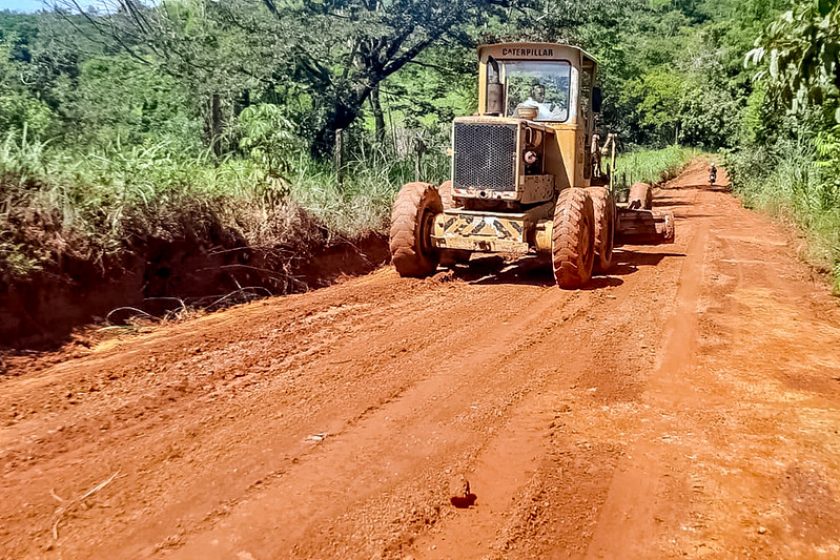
column 527, row 50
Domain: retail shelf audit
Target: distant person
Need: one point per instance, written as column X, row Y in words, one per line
column 546, row 111
column 712, row 174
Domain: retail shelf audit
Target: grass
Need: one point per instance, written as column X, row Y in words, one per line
column 362, row 201
column 92, row 205
column 790, row 183
column 97, row 204
column 653, row 165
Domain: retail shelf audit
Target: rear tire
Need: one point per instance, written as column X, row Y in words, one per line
column 603, row 206
column 412, row 220
column 573, row 238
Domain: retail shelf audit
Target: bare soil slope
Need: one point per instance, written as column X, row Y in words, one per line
column 688, row 405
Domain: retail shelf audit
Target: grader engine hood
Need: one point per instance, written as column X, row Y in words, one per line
column 500, row 159
column 485, row 161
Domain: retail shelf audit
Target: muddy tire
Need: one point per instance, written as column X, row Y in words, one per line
column 573, row 238
column 604, row 207
column 412, row 219
column 445, row 190
column 641, row 197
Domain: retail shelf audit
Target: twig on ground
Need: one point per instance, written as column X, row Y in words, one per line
column 118, row 328
column 62, row 510
column 239, row 291
column 138, row 311
column 246, row 266
column 268, row 248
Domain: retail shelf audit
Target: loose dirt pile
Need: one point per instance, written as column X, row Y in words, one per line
column 686, row 406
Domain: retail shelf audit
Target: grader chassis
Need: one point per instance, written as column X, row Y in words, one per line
column 526, row 175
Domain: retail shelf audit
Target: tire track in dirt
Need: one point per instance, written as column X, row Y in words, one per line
column 335, row 471
column 636, row 493
column 771, row 339
column 541, row 467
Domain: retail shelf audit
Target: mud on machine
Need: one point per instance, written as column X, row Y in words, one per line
column 527, row 175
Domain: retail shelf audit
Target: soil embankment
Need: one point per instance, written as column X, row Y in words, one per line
column 161, row 275
column 686, row 406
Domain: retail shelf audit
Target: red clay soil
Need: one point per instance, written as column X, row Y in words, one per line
column 160, row 276
column 687, row 406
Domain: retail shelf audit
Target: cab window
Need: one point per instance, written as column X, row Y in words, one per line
column 544, row 85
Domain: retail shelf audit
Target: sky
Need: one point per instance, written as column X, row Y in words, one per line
column 35, row 5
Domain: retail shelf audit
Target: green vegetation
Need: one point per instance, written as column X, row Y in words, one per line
column 792, row 183
column 86, row 205
column 789, row 161
column 653, row 166
column 189, row 117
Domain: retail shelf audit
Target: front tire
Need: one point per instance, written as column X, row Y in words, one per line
column 604, row 208
column 412, row 220
column 573, row 238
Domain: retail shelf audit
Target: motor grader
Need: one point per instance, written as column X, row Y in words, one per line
column 526, row 175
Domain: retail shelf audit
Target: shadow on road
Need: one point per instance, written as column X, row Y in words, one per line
column 628, row 261
column 690, row 216
column 536, row 270
column 702, row 186
column 528, row 271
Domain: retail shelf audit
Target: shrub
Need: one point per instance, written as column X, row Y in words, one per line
column 91, row 205
column 653, row 166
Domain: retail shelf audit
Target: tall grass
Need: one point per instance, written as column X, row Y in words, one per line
column 653, row 166
column 361, row 199
column 91, row 204
column 789, row 182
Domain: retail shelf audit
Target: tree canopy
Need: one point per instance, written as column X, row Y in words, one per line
column 200, row 73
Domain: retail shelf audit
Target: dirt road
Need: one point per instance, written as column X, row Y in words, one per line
column 688, row 405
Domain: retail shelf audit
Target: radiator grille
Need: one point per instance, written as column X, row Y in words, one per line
column 485, row 156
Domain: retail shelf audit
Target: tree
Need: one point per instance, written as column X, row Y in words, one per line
column 656, row 98
column 335, row 52
column 801, row 54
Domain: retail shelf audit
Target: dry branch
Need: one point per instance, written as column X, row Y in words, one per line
column 69, row 505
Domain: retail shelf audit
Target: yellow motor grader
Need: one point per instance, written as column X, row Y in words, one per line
column 526, row 175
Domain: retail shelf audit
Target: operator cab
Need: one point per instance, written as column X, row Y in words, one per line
column 542, row 85
column 556, row 79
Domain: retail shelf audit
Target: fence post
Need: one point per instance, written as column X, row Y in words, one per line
column 216, row 124
column 338, row 155
column 420, row 149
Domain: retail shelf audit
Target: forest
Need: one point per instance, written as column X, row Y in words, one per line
column 132, row 122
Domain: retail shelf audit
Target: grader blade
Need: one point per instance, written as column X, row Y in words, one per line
column 644, row 227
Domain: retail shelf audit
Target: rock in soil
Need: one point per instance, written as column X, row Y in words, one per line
column 459, row 492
